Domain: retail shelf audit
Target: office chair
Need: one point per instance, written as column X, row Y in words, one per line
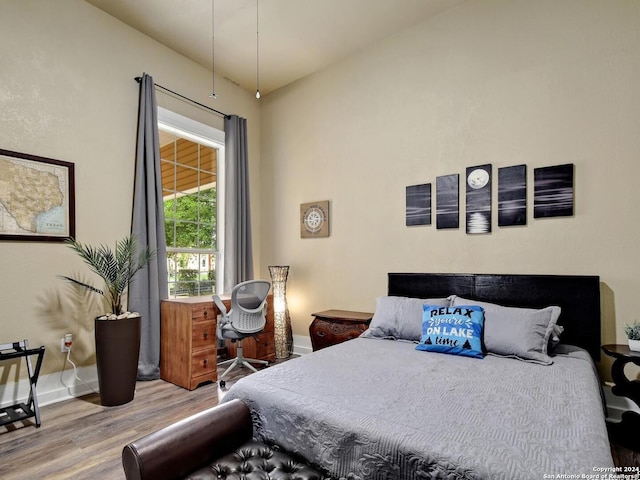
column 246, row 318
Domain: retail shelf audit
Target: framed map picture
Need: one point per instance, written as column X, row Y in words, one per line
column 37, row 198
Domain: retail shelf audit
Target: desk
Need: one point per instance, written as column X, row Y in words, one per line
column 626, row 431
column 22, row 411
column 188, row 343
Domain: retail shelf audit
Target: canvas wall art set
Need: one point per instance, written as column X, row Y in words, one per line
column 553, row 196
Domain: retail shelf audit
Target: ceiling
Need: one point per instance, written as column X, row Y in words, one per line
column 296, row 37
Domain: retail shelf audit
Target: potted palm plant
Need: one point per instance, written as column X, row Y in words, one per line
column 117, row 333
column 633, row 335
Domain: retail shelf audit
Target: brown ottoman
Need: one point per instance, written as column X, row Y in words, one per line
column 214, row 444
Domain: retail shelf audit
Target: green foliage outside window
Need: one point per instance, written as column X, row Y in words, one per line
column 194, row 216
column 187, row 280
column 190, row 223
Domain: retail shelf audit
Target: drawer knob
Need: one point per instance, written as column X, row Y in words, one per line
column 205, row 313
column 204, row 362
column 320, row 333
column 205, row 335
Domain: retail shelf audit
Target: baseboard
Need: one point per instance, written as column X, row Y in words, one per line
column 60, row 386
column 302, row 345
column 51, row 388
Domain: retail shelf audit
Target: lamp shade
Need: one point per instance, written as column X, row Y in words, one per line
column 282, row 322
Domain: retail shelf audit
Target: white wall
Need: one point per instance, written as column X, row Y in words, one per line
column 504, row 82
column 67, row 92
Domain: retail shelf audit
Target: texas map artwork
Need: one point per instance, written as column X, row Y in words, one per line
column 34, row 197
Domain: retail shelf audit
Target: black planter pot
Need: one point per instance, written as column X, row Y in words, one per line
column 117, row 352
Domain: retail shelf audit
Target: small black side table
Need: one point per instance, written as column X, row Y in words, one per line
column 626, row 431
column 21, row 410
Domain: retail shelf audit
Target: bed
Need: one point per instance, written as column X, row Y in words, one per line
column 377, row 408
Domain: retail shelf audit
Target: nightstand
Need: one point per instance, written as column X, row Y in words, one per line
column 626, row 431
column 330, row 327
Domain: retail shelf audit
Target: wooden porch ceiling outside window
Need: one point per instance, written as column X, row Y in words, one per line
column 181, row 171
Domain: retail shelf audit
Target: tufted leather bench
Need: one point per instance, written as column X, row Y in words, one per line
column 214, row 444
column 255, row 460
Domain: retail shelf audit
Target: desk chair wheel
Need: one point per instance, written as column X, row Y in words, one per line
column 222, row 383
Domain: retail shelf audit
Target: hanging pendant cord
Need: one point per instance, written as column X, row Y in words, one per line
column 257, row 51
column 201, row 105
column 213, row 50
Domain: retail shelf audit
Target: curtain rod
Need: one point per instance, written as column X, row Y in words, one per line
column 201, row 105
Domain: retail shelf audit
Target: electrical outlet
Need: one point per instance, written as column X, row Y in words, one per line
column 65, row 343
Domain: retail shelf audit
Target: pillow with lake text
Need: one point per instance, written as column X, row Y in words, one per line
column 453, row 330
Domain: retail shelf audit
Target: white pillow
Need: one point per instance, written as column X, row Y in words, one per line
column 521, row 333
column 400, row 318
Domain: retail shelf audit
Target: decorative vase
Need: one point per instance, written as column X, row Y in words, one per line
column 117, row 352
column 634, row 345
column 282, row 322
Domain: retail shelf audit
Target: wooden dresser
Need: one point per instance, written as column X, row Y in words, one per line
column 188, row 343
column 336, row 326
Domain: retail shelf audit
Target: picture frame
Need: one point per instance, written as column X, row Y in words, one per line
column 37, row 198
column 553, row 191
column 418, row 205
column 314, row 219
column 448, row 201
column 512, row 196
column 478, row 199
column 478, row 209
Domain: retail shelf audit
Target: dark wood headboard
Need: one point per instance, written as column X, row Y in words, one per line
column 577, row 295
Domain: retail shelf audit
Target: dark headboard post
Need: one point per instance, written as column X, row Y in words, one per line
column 577, row 295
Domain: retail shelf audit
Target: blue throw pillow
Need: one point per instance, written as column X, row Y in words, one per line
column 454, row 330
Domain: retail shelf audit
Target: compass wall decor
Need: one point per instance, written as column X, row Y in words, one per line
column 314, row 219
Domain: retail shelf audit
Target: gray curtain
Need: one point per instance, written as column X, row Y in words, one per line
column 150, row 284
column 238, row 253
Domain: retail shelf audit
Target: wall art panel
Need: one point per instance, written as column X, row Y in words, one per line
column 479, row 199
column 553, row 191
column 512, row 196
column 448, row 201
column 418, row 205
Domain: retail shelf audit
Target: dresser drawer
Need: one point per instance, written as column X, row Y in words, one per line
column 265, row 347
column 203, row 362
column 204, row 334
column 330, row 333
column 203, row 311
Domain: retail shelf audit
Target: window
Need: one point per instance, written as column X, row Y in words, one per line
column 191, row 188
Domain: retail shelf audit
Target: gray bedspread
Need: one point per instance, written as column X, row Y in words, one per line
column 379, row 409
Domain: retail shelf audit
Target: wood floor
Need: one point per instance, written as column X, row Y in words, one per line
column 80, row 439
column 624, row 457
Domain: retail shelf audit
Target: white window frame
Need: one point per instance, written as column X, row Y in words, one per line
column 199, row 132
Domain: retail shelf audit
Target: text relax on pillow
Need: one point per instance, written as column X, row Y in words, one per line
column 453, row 330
